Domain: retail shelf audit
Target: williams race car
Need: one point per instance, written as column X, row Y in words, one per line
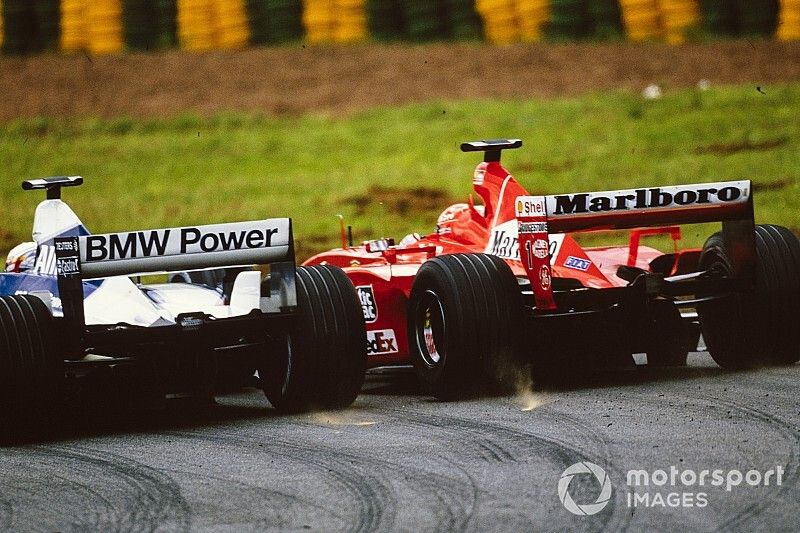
column 73, row 305
column 505, row 284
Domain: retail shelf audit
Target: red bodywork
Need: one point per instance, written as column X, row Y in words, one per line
column 384, row 278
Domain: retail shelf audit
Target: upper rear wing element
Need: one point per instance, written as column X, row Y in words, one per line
column 729, row 202
column 187, row 248
column 52, row 185
column 173, row 249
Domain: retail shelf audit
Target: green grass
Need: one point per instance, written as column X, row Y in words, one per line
column 187, row 169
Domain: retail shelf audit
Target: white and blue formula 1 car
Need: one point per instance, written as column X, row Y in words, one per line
column 72, row 303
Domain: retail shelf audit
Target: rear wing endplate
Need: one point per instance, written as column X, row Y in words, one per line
column 261, row 242
column 730, row 202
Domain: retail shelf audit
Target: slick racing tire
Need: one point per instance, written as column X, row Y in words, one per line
column 667, row 335
column 30, row 370
column 321, row 360
column 749, row 329
column 464, row 323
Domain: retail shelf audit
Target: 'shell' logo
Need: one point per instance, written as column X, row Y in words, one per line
column 381, row 342
column 368, row 306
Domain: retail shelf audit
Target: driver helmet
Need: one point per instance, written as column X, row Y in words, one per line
column 21, row 257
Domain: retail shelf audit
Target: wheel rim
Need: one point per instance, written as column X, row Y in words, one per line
column 430, row 328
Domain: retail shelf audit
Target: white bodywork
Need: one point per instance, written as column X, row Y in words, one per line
column 119, row 299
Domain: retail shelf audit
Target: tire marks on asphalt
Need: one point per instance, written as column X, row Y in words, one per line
column 371, row 497
column 6, row 514
column 774, row 493
column 470, row 437
column 84, row 489
column 747, row 516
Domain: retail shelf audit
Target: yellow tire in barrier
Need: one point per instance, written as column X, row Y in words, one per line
column 196, row 25
column 350, row 21
column 499, row 20
column 318, row 20
column 641, row 19
column 789, row 21
column 677, row 17
column 532, row 15
column 233, row 30
column 104, row 25
column 74, row 34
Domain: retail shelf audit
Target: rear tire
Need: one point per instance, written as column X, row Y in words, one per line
column 748, row 329
column 321, row 360
column 464, row 323
column 30, row 370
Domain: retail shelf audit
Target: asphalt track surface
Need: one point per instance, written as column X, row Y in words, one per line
column 398, row 460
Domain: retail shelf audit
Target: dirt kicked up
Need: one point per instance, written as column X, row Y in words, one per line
column 299, row 79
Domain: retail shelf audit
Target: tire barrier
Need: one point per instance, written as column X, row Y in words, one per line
column 112, row 26
column 283, row 20
column 569, row 19
column 500, row 25
column 386, row 19
column 92, row 26
column 743, row 17
column 196, row 28
column 464, row 22
column 642, row 19
column 757, row 17
column 426, row 20
column 789, row 21
column 607, row 18
column 212, row 24
column 104, row 26
column 29, row 26
column 233, row 30
column 341, row 21
column 679, row 17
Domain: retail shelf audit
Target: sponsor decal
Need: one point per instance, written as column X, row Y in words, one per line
column 531, row 206
column 45, row 260
column 541, row 248
column 532, row 227
column 479, row 176
column 504, row 240
column 189, row 240
column 577, row 263
column 68, row 263
column 187, row 248
column 430, row 342
column 381, row 342
column 650, row 198
column 368, row 306
column 544, row 277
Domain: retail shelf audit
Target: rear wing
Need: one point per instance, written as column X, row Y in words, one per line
column 537, row 216
column 174, row 249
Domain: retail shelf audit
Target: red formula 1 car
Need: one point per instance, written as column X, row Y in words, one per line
column 499, row 285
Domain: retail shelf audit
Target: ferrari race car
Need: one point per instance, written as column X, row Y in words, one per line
column 72, row 304
column 505, row 286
